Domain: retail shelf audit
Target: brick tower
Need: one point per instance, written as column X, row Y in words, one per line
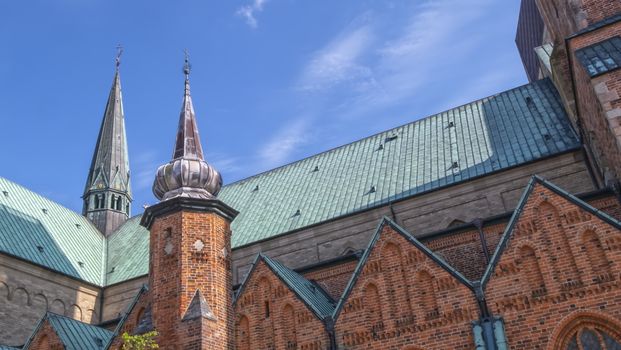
column 190, row 247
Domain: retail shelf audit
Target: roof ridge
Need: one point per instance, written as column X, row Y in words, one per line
column 537, row 82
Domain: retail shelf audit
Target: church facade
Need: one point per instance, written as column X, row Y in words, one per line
column 493, row 225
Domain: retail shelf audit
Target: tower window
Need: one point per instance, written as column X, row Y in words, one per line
column 102, row 201
column 127, row 208
column 267, row 309
column 96, row 200
column 112, row 200
column 119, row 203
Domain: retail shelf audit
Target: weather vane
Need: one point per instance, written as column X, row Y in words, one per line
column 186, row 66
column 119, row 52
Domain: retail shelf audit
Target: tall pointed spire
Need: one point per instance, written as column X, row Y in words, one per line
column 188, row 143
column 107, row 194
column 187, row 174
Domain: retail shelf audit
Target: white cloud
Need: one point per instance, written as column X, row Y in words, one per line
column 248, row 12
column 379, row 62
column 281, row 146
column 338, row 62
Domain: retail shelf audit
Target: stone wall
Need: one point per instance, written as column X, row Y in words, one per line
column 28, row 291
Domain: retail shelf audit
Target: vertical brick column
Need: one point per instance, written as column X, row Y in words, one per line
column 190, row 280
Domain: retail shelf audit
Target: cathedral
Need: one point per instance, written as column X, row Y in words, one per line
column 493, row 225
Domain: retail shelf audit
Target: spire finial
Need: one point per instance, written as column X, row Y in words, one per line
column 119, row 52
column 186, row 65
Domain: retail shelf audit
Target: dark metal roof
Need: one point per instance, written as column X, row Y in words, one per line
column 601, row 57
column 76, row 335
column 311, row 294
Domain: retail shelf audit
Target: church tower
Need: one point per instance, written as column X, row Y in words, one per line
column 107, row 194
column 190, row 279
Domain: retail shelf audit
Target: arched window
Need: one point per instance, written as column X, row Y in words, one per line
column 592, row 338
column 96, row 200
column 119, row 201
column 112, row 201
column 588, row 331
column 102, row 203
column 127, row 208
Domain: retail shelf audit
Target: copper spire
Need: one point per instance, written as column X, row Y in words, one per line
column 187, row 174
column 107, row 194
column 188, row 142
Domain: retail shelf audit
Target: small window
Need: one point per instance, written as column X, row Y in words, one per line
column 267, row 309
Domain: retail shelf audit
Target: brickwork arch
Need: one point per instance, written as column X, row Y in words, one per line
column 530, row 269
column 20, row 296
column 58, row 307
column 579, row 326
column 287, row 319
column 596, row 254
column 397, row 299
column 426, row 294
column 243, row 333
column 75, row 312
column 373, row 303
column 549, row 222
column 4, row 290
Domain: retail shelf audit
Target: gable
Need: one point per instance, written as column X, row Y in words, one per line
column 401, row 287
column 567, row 211
column 271, row 310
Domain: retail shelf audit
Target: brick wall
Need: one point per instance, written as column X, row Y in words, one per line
column 270, row 316
column 191, row 251
column 561, row 263
column 403, row 298
column 599, row 103
column 333, row 279
column 46, row 339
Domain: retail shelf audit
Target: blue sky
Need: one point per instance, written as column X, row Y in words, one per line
column 273, row 81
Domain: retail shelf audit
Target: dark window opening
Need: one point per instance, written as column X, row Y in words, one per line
column 267, row 309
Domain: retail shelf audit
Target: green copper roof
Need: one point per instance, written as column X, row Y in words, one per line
column 43, row 232
column 495, row 133
column 128, row 252
column 76, row 335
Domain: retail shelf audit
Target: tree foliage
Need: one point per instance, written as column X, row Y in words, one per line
column 144, row 341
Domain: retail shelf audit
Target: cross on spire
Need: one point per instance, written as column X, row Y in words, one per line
column 119, row 52
column 186, row 65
